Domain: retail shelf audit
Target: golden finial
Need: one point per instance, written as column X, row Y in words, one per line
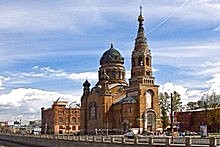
column 140, row 17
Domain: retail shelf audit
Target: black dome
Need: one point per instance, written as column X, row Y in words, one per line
column 111, row 56
column 86, row 84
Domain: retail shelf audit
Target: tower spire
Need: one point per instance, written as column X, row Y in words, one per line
column 141, row 57
column 140, row 17
column 140, row 10
column 141, row 39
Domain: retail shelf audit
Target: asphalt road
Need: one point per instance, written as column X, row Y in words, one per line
column 9, row 144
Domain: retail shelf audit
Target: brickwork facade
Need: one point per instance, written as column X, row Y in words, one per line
column 192, row 120
column 59, row 119
column 115, row 106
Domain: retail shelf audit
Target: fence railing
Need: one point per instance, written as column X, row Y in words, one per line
column 137, row 140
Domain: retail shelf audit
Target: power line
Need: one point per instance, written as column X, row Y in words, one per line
column 167, row 18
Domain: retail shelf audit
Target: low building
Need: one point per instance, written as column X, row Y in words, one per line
column 35, row 127
column 191, row 120
column 60, row 119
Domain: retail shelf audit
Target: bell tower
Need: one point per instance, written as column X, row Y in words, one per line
column 142, row 83
column 141, row 70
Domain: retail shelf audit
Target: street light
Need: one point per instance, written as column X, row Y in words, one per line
column 45, row 129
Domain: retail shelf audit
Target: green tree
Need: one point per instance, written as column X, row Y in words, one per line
column 211, row 100
column 200, row 103
column 211, row 105
column 191, row 105
column 177, row 104
column 164, row 106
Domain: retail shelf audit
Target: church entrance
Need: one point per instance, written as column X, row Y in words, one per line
column 149, row 118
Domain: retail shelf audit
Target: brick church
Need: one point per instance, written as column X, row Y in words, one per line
column 115, row 106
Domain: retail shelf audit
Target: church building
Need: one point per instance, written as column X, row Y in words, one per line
column 115, row 106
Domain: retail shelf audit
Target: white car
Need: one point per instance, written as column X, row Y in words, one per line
column 129, row 134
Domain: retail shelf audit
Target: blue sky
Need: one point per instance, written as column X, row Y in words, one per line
column 48, row 48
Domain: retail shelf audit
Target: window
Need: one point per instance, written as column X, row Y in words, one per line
column 140, row 61
column 73, row 120
column 92, row 111
column 74, row 128
column 68, row 127
column 67, row 119
column 60, row 112
column 148, row 73
column 61, row 127
column 61, row 119
column 147, row 61
column 149, row 97
column 113, row 74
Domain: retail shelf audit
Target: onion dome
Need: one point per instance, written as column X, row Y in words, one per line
column 111, row 56
column 86, row 84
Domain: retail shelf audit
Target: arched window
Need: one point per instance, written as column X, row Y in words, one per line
column 147, row 61
column 148, row 73
column 149, row 119
column 140, row 61
column 113, row 73
column 92, row 111
column 149, row 99
column 73, row 120
column 119, row 75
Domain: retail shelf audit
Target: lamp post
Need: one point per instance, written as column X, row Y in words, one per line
column 45, row 129
column 107, row 125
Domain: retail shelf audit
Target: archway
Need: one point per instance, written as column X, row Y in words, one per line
column 149, row 118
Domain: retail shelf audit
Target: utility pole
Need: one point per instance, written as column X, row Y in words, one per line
column 107, row 125
column 69, row 120
column 171, row 115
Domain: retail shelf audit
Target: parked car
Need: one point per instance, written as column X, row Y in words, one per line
column 129, row 134
column 147, row 133
column 76, row 133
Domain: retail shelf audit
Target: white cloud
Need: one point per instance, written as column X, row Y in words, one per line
column 170, row 88
column 217, row 29
column 214, row 84
column 49, row 72
column 41, row 73
column 28, row 102
column 186, row 50
column 75, row 17
column 69, row 15
column 186, row 94
column 208, row 68
column 192, row 95
column 2, row 80
column 36, row 16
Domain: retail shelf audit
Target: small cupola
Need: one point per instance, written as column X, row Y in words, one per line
column 86, row 84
